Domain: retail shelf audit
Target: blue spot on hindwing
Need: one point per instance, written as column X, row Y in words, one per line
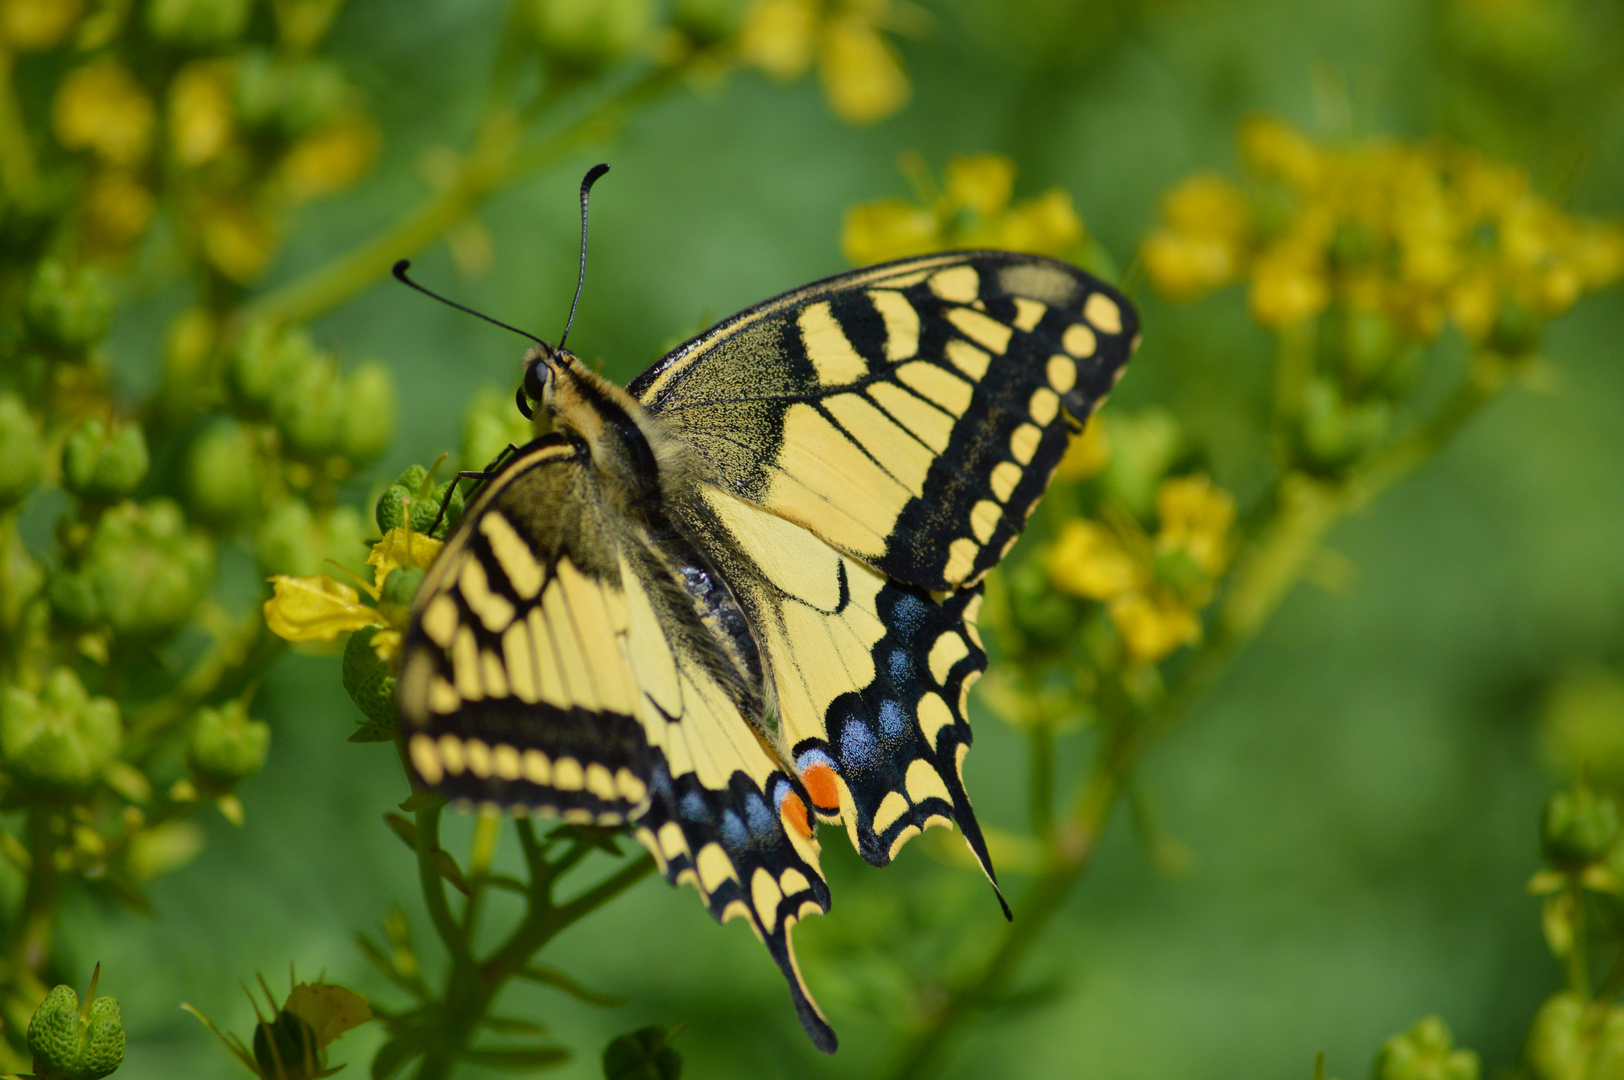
column 762, row 821
column 857, row 746
column 893, row 721
column 902, row 669
column 693, row 807
column 734, row 835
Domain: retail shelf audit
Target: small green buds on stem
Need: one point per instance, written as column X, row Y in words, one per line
column 1578, row 827
column 414, row 500
column 104, row 462
column 74, row 1042
column 225, row 747
column 61, row 739
column 1425, row 1052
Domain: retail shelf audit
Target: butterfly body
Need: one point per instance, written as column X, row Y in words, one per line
column 738, row 597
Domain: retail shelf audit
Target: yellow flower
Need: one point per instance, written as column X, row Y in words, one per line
column 1088, row 560
column 400, row 548
column 1195, row 516
column 1272, row 149
column 316, row 609
column 1287, row 288
column 101, row 108
column 887, row 229
column 1183, row 266
column 29, row 25
column 1047, row 224
column 320, row 608
column 973, row 210
column 117, row 209
column 1153, row 625
column 780, row 37
column 984, row 183
column 331, row 159
column 237, row 239
column 1087, row 454
column 862, row 77
column 200, row 113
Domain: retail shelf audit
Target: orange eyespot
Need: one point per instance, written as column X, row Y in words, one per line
column 819, row 779
column 793, row 812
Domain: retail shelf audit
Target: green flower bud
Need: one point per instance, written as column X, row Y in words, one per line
column 1144, row 447
column 368, row 680
column 225, row 747
column 142, row 572
column 21, row 578
column 69, row 308
column 1565, row 1044
column 1336, row 433
column 198, row 22
column 309, row 407
column 490, row 424
column 369, row 422
column 411, row 499
column 61, row 739
column 21, row 457
column 223, row 473
column 292, row 540
column 399, row 589
column 163, row 849
column 708, row 21
column 286, row 1048
column 290, row 95
column 266, row 359
column 1578, row 827
column 645, row 1054
column 1582, row 726
column 592, row 33
column 1425, row 1052
column 104, row 463
column 70, row 1044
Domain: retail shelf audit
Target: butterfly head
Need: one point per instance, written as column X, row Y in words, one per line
column 545, row 367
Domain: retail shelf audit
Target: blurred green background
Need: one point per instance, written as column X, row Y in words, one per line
column 1360, row 794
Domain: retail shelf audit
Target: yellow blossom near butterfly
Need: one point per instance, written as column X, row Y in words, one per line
column 100, row 107
column 1426, row 234
column 861, row 74
column 972, row 209
column 1153, row 588
column 319, row 608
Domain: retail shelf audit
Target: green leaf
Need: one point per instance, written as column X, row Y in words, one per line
column 368, row 731
column 422, row 800
column 403, row 829
column 392, row 1056
column 644, row 1054
column 451, row 871
column 509, row 1025
column 560, row 981
column 519, row 1058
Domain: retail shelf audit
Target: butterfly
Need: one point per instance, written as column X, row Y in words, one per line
column 737, row 599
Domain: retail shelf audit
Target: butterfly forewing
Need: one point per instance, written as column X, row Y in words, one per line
column 910, row 414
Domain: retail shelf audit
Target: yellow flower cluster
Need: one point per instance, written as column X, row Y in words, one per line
column 861, row 74
column 249, row 134
column 1153, row 587
column 973, row 209
column 319, row 608
column 1422, row 233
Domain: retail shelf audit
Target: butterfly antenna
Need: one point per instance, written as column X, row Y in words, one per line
column 400, row 275
column 591, row 178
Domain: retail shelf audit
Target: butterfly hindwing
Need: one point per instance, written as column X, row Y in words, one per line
column 912, row 413
column 870, row 677
column 549, row 666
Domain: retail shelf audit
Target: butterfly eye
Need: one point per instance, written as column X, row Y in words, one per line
column 535, row 380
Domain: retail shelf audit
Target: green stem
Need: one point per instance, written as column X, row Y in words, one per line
column 495, row 162
column 1577, row 962
column 1306, row 510
column 235, row 661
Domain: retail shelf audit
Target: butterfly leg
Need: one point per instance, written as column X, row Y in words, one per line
column 483, row 474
